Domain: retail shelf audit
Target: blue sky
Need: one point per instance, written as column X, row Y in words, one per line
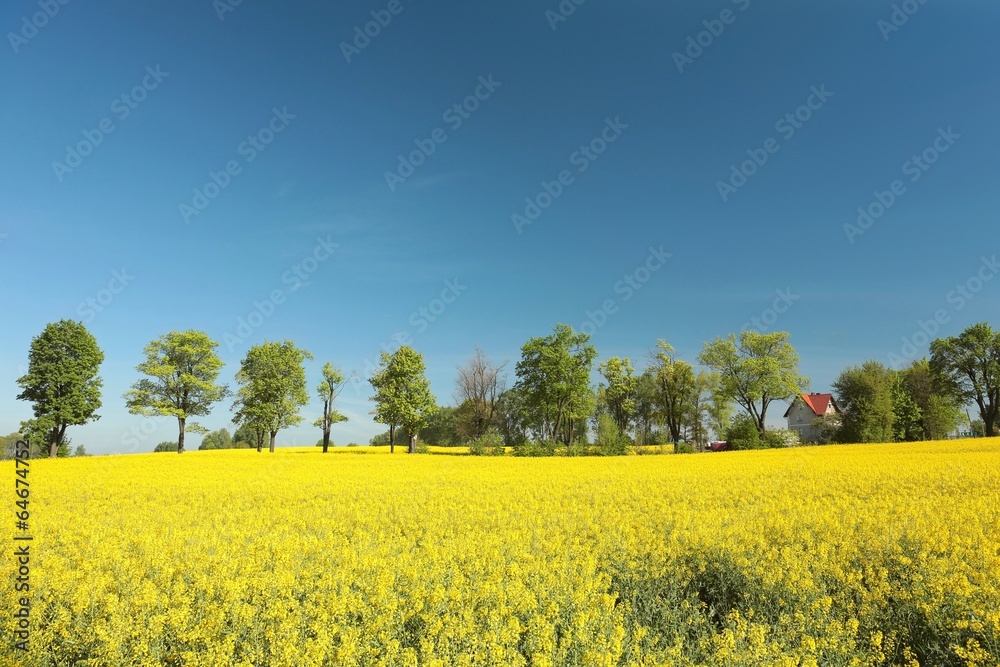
column 94, row 185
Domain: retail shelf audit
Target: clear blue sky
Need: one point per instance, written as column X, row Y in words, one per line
column 205, row 85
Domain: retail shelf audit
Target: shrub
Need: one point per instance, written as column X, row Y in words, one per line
column 610, row 440
column 782, row 437
column 685, row 448
column 536, row 448
column 490, row 444
column 743, row 434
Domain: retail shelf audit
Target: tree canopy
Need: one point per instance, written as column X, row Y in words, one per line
column 970, row 365
column 62, row 383
column 183, row 368
column 402, row 393
column 272, row 388
column 756, row 371
column 554, row 382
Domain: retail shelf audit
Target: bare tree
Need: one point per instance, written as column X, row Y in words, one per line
column 478, row 387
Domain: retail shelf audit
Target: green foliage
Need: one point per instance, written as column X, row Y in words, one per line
column 780, row 438
column 908, row 419
column 332, row 385
column 62, row 383
column 554, row 382
column 80, row 451
column 866, row 394
column 761, row 369
column 272, row 389
column 490, row 444
column 685, row 448
column 166, row 446
column 743, row 433
column 536, row 448
column 183, row 368
column 246, row 437
column 509, row 418
column 618, row 396
column 676, row 387
column 969, row 366
column 941, row 405
column 830, row 428
column 402, row 392
column 441, row 429
column 610, row 441
column 221, row 440
column 382, row 439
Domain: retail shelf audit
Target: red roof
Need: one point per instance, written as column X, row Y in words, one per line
column 818, row 403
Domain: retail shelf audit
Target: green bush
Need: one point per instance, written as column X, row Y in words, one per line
column 610, row 440
column 743, row 434
column 685, row 448
column 536, row 448
column 490, row 444
column 780, row 438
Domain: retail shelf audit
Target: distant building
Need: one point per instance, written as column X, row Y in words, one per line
column 805, row 409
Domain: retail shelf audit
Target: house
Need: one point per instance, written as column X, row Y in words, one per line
column 805, row 409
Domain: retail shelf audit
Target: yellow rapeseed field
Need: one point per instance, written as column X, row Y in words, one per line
column 832, row 556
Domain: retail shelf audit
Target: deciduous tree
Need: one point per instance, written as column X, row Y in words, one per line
column 333, row 383
column 402, row 393
column 970, row 364
column 554, row 382
column 758, row 370
column 183, row 368
column 62, row 383
column 675, row 389
column 478, row 387
column 619, row 392
column 273, row 387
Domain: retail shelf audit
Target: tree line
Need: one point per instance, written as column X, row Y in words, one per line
column 551, row 405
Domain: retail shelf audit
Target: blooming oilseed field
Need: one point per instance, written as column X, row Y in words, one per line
column 833, row 556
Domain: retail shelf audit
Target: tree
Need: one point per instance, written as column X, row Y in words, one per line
column 907, row 422
column 62, row 383
column 272, row 387
column 80, row 451
column 478, row 387
column 442, row 427
column 969, row 364
column 554, row 381
column 217, row 440
column 402, row 394
column 166, row 446
column 701, row 410
column 333, row 383
column 866, row 395
column 645, row 407
column 619, row 393
column 247, row 437
column 675, row 390
column 183, row 368
column 510, row 419
column 761, row 369
column 940, row 406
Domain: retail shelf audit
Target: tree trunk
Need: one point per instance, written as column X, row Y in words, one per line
column 180, row 435
column 392, row 438
column 326, row 440
column 273, row 435
column 413, row 444
column 53, row 448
